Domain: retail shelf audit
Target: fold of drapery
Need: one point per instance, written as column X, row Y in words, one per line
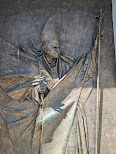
column 61, row 115
column 64, row 121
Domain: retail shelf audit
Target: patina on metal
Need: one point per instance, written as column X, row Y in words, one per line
column 46, row 113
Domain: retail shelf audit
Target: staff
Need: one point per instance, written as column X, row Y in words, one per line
column 100, row 17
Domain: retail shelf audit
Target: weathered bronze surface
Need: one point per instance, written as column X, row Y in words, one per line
column 38, row 85
column 47, row 89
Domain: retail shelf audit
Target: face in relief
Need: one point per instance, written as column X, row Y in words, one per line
column 53, row 49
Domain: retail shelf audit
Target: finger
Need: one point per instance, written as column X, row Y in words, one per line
column 42, row 77
column 36, row 80
column 45, row 82
column 49, row 79
column 36, row 83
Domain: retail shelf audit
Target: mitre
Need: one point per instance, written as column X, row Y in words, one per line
column 49, row 32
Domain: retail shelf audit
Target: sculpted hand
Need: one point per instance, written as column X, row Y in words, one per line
column 40, row 84
column 43, row 82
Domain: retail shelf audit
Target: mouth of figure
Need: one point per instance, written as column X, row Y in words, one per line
column 53, row 55
column 56, row 54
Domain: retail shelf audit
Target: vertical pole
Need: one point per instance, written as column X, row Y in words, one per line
column 114, row 23
column 98, row 85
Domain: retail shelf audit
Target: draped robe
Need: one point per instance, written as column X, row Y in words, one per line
column 59, row 125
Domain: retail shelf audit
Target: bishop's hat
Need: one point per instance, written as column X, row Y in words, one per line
column 49, row 32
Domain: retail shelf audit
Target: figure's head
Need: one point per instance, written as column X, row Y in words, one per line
column 50, row 39
column 52, row 49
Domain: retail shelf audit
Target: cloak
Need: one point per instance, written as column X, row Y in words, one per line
column 59, row 126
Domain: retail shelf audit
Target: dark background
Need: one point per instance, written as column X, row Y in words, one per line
column 22, row 21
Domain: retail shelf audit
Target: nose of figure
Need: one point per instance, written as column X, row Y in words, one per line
column 57, row 50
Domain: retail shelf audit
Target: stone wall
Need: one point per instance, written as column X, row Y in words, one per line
column 108, row 118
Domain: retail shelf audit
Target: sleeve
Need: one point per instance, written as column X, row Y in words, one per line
column 17, row 70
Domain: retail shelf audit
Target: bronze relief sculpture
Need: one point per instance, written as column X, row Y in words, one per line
column 47, row 88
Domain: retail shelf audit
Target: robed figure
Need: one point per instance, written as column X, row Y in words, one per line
column 46, row 90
